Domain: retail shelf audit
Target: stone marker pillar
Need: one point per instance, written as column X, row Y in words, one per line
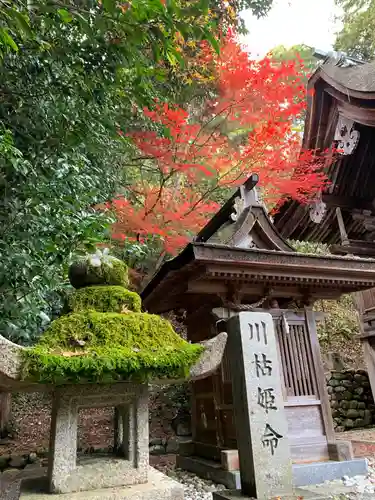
column 261, row 425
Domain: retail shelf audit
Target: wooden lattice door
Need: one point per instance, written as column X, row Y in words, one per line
column 305, row 398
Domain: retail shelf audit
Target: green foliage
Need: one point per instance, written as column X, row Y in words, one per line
column 116, row 347
column 136, row 330
column 357, row 36
column 128, row 27
column 71, row 75
column 139, row 256
column 111, row 273
column 341, row 321
column 310, row 247
column 45, row 219
column 144, row 258
column 12, row 22
column 104, row 299
column 282, row 53
column 231, row 15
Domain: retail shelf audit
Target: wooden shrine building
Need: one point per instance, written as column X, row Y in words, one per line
column 341, row 112
column 239, row 261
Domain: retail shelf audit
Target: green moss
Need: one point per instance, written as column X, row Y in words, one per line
column 113, row 272
column 104, row 299
column 133, row 346
column 110, row 272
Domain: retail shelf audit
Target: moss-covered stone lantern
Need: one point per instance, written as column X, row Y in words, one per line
column 102, row 353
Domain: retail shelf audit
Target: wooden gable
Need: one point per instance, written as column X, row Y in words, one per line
column 243, row 222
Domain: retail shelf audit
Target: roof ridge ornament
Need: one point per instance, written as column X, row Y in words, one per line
column 342, row 59
column 248, row 197
column 238, row 208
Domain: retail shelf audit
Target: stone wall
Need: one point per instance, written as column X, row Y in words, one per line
column 170, row 420
column 351, row 399
column 169, row 425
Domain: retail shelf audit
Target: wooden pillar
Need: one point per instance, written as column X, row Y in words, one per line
column 5, row 408
column 343, row 233
column 320, row 377
column 206, row 393
column 364, row 303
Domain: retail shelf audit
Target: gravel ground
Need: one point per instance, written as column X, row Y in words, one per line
column 355, row 488
column 357, row 435
column 196, row 488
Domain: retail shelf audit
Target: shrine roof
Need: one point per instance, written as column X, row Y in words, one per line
column 202, row 268
column 340, row 110
column 347, row 76
column 240, row 248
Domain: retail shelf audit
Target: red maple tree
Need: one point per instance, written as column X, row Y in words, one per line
column 249, row 127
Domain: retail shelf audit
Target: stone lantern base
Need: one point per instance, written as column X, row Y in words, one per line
column 123, row 474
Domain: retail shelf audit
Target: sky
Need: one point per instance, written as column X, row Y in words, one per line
column 292, row 22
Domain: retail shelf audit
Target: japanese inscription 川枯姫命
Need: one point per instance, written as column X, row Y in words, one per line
column 271, row 438
column 266, row 399
column 263, row 365
column 258, row 332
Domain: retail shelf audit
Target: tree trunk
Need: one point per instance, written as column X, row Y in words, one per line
column 5, row 406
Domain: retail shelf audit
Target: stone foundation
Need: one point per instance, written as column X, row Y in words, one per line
column 297, row 495
column 158, row 487
column 303, row 474
column 351, row 399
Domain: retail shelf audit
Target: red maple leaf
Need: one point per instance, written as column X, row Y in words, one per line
column 250, row 127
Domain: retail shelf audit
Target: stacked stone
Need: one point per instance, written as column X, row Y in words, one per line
column 31, row 461
column 171, row 444
column 351, row 399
